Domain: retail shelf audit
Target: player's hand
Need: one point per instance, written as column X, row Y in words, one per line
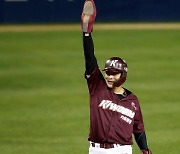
column 88, row 16
column 146, row 152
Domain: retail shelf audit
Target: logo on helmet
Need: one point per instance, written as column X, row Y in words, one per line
column 113, row 63
column 126, row 69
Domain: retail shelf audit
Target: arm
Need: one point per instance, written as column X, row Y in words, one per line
column 90, row 59
column 142, row 142
column 87, row 20
column 139, row 132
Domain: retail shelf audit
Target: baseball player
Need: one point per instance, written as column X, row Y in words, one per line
column 115, row 113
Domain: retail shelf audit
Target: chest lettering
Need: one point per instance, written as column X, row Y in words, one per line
column 107, row 104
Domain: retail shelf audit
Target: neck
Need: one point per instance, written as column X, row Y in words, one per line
column 118, row 90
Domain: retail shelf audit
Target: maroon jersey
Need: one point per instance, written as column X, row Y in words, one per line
column 112, row 120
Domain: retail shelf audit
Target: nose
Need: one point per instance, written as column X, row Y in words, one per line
column 110, row 76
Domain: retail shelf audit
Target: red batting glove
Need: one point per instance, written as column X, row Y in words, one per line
column 146, row 152
column 88, row 16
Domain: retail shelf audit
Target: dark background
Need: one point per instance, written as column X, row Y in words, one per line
column 63, row 11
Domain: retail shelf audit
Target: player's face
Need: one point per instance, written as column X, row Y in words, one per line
column 111, row 78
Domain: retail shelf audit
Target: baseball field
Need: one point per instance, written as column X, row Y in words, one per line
column 44, row 98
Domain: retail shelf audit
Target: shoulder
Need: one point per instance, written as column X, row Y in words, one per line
column 95, row 81
column 131, row 95
column 95, row 76
column 95, row 72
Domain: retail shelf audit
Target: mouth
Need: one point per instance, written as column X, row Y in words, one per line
column 110, row 82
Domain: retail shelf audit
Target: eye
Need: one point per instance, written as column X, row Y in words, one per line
column 108, row 73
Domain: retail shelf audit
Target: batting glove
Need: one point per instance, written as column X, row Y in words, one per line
column 146, row 152
column 88, row 16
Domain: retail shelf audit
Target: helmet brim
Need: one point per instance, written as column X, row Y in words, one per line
column 111, row 71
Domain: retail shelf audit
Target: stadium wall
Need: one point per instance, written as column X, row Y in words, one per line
column 55, row 11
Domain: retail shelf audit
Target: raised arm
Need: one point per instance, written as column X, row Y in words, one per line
column 87, row 19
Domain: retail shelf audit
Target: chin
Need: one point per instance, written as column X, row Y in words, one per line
column 109, row 86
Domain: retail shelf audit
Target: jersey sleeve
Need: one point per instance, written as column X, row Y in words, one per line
column 95, row 81
column 138, row 120
column 90, row 59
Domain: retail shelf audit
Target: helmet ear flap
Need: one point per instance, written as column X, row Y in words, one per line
column 123, row 77
column 121, row 80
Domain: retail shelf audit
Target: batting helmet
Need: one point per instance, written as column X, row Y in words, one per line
column 116, row 65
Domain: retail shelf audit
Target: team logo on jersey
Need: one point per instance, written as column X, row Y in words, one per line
column 107, row 104
column 126, row 113
column 134, row 105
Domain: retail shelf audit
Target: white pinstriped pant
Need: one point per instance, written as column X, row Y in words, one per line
column 118, row 149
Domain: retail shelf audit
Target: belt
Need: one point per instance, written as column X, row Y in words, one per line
column 105, row 145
